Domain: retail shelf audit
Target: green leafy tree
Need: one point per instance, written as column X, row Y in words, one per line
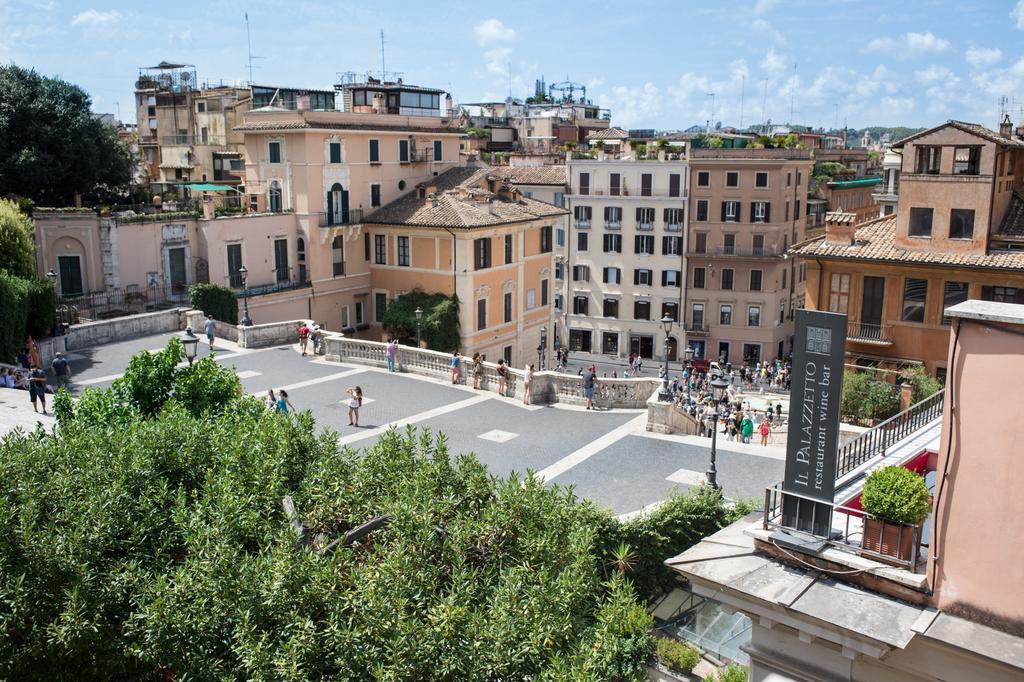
column 51, row 146
column 440, row 325
column 921, row 384
column 26, row 307
column 17, row 249
column 215, row 299
column 866, row 398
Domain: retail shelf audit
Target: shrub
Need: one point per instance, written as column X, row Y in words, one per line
column 676, row 655
column 216, row 300
column 440, row 325
column 922, row 385
column 27, row 306
column 896, row 494
column 865, row 397
column 17, row 249
column 734, row 672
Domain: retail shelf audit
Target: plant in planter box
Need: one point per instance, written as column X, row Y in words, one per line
column 899, row 498
column 676, row 655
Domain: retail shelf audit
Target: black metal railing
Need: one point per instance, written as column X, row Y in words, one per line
column 352, row 216
column 876, row 440
column 696, row 328
column 97, row 305
column 861, row 331
column 746, row 251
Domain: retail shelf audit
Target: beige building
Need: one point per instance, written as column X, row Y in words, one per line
column 747, row 208
column 625, row 255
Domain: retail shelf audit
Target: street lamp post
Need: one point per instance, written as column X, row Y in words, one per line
column 191, row 344
column 664, row 394
column 718, row 386
column 52, row 276
column 243, row 273
column 419, row 319
column 687, row 358
column 542, row 348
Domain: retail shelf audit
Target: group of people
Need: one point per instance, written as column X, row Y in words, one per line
column 279, row 402
column 766, row 375
column 501, row 370
column 30, row 376
column 310, row 335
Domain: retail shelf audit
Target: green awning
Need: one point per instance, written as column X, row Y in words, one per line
column 209, row 187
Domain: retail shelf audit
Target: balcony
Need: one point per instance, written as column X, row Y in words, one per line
column 696, row 328
column 582, row 224
column 869, row 334
column 613, row 224
column 352, row 216
column 419, row 156
column 742, row 252
column 673, row 227
column 645, row 227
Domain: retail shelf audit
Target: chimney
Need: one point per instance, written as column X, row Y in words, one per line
column 840, row 227
column 1006, row 127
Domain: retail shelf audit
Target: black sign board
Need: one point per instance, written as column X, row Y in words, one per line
column 819, row 347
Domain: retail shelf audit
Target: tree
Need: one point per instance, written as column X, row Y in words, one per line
column 867, row 398
column 215, row 299
column 51, row 146
column 440, row 325
column 17, row 248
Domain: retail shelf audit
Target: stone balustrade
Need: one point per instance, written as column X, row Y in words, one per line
column 197, row 320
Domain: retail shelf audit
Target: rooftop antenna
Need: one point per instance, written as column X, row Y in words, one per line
column 743, row 85
column 712, row 96
column 383, row 70
column 248, row 39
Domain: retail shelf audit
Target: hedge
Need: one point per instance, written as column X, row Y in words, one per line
column 26, row 307
column 440, row 325
column 216, row 300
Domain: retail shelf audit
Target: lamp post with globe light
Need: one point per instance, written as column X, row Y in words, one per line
column 718, row 386
column 243, row 274
column 664, row 394
column 419, row 319
column 190, row 342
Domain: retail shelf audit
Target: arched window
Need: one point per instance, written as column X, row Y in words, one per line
column 338, row 256
column 337, row 205
column 275, row 196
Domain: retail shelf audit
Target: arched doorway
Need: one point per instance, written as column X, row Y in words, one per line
column 337, row 205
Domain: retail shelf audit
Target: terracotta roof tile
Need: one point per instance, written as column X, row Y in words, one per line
column 536, row 175
column 874, row 242
column 973, row 128
column 461, row 200
column 1013, row 222
column 612, row 133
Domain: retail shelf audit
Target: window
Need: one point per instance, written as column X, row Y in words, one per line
column 584, row 183
column 761, row 179
column 403, row 151
column 921, row 222
column 697, row 316
column 961, row 223
column 789, row 178
column 507, row 306
column 545, row 239
column 359, row 313
column 300, row 256
column 758, row 249
column 437, row 150
column 374, row 151
column 732, row 179
column 403, row 251
column 583, row 215
column 334, row 152
column 929, row 159
column 700, row 242
column 702, row 210
column 531, row 299
column 641, row 310
column 729, row 244
column 673, row 219
column 582, row 241
column 338, row 256
column 759, row 212
column 482, row 253
column 558, row 301
column 643, row 243
column 786, row 216
column 612, row 275
column 670, row 278
column 274, row 197
column 645, row 218
column 799, row 178
column 544, row 286
column 611, row 307
column 366, row 246
column 274, row 152
column 559, row 270
column 200, row 107
column 508, row 248
column 643, row 277
column 560, row 236
column 698, row 278
column 915, row 292
column 374, row 195
column 613, row 243
column 380, row 249
column 952, row 293
column 204, row 135
column 672, row 246
column 1002, row 294
column 481, row 314
column 614, row 184
column 725, row 314
column 670, row 308
column 730, row 211
column 704, row 179
column 380, row 305
column 612, row 217
column 580, row 305
column 646, row 184
column 581, row 273
column 755, row 280
column 560, row 199
column 674, row 184
column 839, row 294
column 346, row 318
column 796, row 208
column 754, row 316
column 727, row 279
column 784, row 274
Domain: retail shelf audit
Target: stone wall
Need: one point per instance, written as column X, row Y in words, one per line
column 272, row 334
column 122, row 328
column 223, row 330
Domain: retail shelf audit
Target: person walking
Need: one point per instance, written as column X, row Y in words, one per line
column 61, row 371
column 502, row 376
column 37, row 387
column 211, row 329
column 314, row 338
column 355, row 401
column 456, row 366
column 283, row 404
column 271, row 401
column 527, row 383
column 303, row 337
column 766, row 430
column 588, row 386
column 747, row 428
column 478, row 369
column 392, row 353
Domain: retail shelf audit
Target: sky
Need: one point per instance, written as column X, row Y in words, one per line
column 653, row 64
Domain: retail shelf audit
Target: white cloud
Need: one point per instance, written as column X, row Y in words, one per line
column 497, row 60
column 93, row 17
column 773, row 64
column 634, row 106
column 490, row 31
column 909, row 45
column 595, row 82
column 935, row 74
column 766, row 30
column 983, row 56
column 1017, row 13
column 764, row 6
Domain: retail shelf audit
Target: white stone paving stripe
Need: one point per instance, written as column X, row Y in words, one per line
column 755, row 449
column 318, row 380
column 414, row 419
column 593, row 447
column 686, row 477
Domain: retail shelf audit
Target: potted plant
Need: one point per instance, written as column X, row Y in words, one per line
column 897, row 500
column 676, row 656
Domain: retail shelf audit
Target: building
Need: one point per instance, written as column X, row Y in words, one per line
column 468, row 232
column 957, row 234
column 856, row 196
column 824, row 606
column 887, row 193
column 747, row 208
column 624, row 255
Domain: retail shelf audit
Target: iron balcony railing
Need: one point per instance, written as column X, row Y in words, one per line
column 582, row 224
column 352, row 216
column 645, row 226
column 872, row 333
column 746, row 251
column 613, row 224
column 696, row 328
column 673, row 227
column 876, row 440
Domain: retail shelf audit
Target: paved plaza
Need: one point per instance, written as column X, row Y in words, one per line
column 607, row 456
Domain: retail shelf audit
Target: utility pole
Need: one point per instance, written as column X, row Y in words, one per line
column 248, row 40
column 383, row 68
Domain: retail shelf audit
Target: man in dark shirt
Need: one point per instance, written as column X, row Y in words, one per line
column 589, row 379
column 61, row 371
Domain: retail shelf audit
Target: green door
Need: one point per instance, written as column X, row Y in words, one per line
column 70, row 275
column 176, row 265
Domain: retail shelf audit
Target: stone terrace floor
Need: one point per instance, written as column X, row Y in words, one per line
column 608, row 456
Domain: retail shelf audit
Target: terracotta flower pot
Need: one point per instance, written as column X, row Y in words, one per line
column 887, row 539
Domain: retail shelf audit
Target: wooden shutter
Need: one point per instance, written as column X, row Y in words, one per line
column 767, row 212
column 673, row 185
column 723, row 211
column 753, row 209
column 664, row 278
